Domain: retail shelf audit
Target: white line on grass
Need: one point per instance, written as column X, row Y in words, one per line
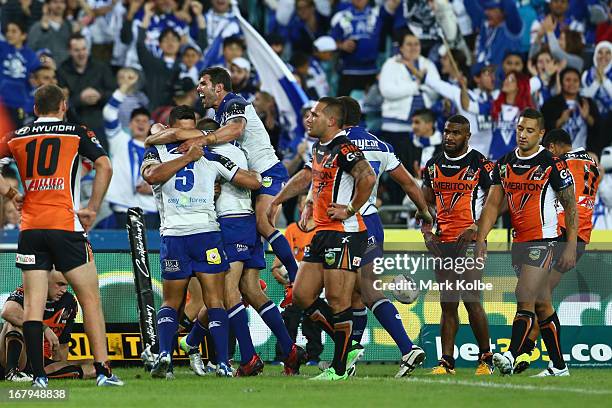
column 511, row 386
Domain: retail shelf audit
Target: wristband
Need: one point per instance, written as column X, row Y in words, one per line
column 12, row 192
column 350, row 210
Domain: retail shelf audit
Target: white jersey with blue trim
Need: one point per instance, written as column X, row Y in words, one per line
column 379, row 154
column 186, row 202
column 233, row 200
column 255, row 140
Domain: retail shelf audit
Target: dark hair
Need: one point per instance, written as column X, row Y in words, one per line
column 42, row 68
column 299, row 59
column 75, row 36
column 169, row 31
column 208, row 124
column 352, row 111
column 459, row 119
column 47, row 99
column 20, row 24
column 219, row 75
column 140, row 111
column 566, row 71
column 557, row 136
column 333, row 108
column 403, row 33
column 531, row 113
column 573, row 42
column 426, row 114
column 234, row 39
column 181, row 112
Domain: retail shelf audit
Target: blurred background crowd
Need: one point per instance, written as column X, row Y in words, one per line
column 410, row 63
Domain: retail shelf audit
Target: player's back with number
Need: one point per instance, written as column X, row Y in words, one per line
column 48, row 153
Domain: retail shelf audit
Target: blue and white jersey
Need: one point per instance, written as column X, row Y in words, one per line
column 379, row 154
column 186, row 202
column 255, row 140
column 233, row 200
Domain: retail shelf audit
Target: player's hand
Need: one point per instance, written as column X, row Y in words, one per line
column 481, row 250
column 280, row 277
column 196, row 141
column 194, row 153
column 568, row 257
column 337, row 212
column 306, row 215
column 348, row 46
column 424, row 216
column 87, row 216
column 467, row 236
column 18, row 201
column 52, row 339
column 271, row 212
column 585, row 109
column 217, row 190
column 144, row 188
column 432, row 242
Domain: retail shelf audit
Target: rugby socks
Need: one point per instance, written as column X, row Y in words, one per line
column 321, row 314
column 283, row 251
column 528, row 347
column 550, row 329
column 196, row 334
column 274, row 320
column 167, row 325
column 239, row 323
column 14, row 345
column 388, row 316
column 33, row 336
column 360, row 321
column 521, row 326
column 103, row 368
column 187, row 323
column 219, row 326
column 447, row 361
column 343, row 329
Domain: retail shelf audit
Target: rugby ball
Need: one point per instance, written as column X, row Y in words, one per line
column 405, row 289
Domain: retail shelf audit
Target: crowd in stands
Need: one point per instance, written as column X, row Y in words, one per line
column 410, row 63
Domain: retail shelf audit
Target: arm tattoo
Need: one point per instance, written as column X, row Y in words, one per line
column 362, row 169
column 568, row 201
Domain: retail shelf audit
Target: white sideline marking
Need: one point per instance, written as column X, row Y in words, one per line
column 511, row 386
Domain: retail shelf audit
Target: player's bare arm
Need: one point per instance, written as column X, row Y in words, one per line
column 13, row 313
column 160, row 173
column 247, row 179
column 104, row 172
column 568, row 201
column 229, row 132
column 432, row 241
column 489, row 215
column 365, row 179
column 296, row 185
column 401, row 176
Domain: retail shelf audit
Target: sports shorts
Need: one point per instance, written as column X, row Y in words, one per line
column 580, row 250
column 182, row 256
column 539, row 254
column 46, row 249
column 376, row 238
column 337, row 249
column 241, row 241
column 273, row 180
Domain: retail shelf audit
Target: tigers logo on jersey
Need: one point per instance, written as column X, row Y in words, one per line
column 213, row 257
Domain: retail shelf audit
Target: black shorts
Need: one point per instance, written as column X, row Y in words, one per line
column 40, row 249
column 580, row 250
column 337, row 250
column 539, row 254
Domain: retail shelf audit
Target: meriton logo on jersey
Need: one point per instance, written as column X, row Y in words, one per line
column 45, row 184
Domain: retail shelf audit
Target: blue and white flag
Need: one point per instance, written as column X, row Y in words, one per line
column 274, row 76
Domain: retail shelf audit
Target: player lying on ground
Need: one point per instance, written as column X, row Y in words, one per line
column 60, row 311
column 191, row 242
column 586, row 177
column 53, row 227
column 342, row 182
column 239, row 122
column 531, row 180
column 456, row 183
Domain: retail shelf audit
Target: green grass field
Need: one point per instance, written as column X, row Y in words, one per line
column 374, row 386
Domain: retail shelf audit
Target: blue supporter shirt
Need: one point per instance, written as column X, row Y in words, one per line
column 17, row 65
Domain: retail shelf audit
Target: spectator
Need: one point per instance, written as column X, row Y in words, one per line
column 306, row 25
column 576, row 114
column 357, row 30
column 233, row 47
column 53, row 31
column 160, row 72
column 127, row 189
column 425, row 19
column 24, row 12
column 265, row 106
column 46, row 58
column 220, row 21
column 604, row 29
column 321, row 70
column 191, row 63
column 42, row 76
column 426, row 138
column 500, row 28
column 242, row 82
column 277, row 42
column 89, row 83
column 544, row 70
column 568, row 47
column 513, row 62
column 134, row 97
column 183, row 93
column 402, row 86
column 101, row 28
column 559, row 18
column 597, row 81
column 18, row 63
column 515, row 96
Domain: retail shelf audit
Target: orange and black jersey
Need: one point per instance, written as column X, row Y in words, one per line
column 59, row 316
column 586, row 181
column 531, row 185
column 47, row 153
column 459, row 185
column 298, row 239
column 332, row 182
